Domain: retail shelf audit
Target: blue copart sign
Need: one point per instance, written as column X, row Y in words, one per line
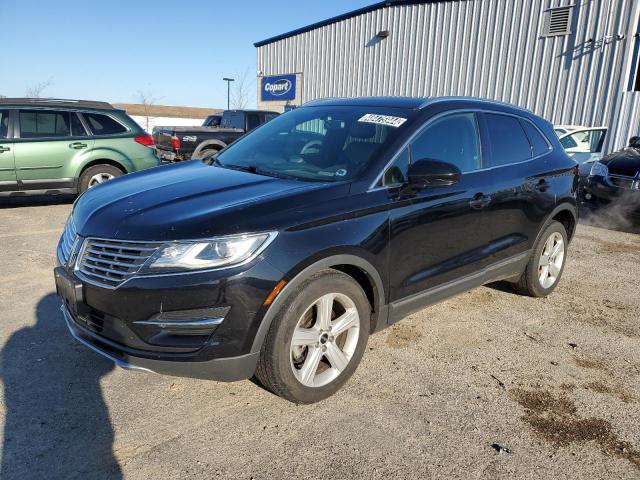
column 278, row 87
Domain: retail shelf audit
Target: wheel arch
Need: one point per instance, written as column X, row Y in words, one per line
column 208, row 143
column 102, row 161
column 361, row 270
column 567, row 217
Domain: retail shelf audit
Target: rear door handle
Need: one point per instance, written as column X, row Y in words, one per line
column 77, row 145
column 480, row 201
column 4, row 149
column 542, row 186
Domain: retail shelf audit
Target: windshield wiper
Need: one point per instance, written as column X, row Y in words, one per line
column 255, row 169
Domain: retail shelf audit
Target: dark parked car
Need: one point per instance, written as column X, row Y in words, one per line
column 615, row 181
column 282, row 254
column 182, row 143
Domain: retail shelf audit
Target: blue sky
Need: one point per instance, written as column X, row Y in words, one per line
column 177, row 51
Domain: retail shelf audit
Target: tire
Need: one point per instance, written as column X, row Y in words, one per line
column 281, row 367
column 205, row 151
column 531, row 283
column 90, row 176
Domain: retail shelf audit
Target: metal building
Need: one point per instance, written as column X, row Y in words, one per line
column 571, row 61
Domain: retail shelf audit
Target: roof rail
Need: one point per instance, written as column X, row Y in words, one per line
column 59, row 102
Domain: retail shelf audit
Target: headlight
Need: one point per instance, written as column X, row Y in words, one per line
column 208, row 254
column 599, row 170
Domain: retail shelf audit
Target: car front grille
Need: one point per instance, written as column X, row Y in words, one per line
column 65, row 246
column 109, row 263
column 621, row 181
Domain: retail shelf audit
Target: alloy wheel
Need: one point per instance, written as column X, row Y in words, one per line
column 324, row 340
column 551, row 260
column 99, row 178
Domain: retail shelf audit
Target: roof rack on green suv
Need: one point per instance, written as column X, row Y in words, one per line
column 55, row 146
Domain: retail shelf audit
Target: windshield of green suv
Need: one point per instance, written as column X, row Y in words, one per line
column 325, row 143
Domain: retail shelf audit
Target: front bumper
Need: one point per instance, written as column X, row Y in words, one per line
column 147, row 323
column 601, row 192
column 221, row 369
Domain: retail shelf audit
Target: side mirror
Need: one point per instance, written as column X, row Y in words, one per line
column 432, row 173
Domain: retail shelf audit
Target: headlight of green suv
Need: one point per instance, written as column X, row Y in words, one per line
column 208, row 254
column 599, row 170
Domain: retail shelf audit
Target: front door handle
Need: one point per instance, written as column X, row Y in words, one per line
column 4, row 149
column 77, row 145
column 480, row 201
column 542, row 185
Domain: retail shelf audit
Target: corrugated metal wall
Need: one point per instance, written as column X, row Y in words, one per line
column 486, row 48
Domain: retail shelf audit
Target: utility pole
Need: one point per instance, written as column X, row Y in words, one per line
column 228, row 80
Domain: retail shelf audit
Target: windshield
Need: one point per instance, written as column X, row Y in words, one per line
column 326, row 143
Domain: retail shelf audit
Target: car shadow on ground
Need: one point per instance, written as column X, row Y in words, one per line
column 35, row 201
column 57, row 424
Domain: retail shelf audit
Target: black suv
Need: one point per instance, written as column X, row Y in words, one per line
column 281, row 254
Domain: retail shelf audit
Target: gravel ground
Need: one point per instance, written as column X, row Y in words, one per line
column 486, row 385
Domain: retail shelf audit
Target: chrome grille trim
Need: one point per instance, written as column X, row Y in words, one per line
column 622, row 181
column 109, row 263
column 67, row 240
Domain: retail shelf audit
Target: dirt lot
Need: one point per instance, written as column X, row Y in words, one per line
column 556, row 382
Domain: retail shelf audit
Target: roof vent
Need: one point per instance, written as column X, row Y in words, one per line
column 558, row 21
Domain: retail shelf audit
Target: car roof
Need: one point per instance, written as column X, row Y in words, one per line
column 56, row 103
column 393, row 102
column 418, row 103
column 249, row 111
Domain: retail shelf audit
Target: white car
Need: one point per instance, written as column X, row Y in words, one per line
column 583, row 144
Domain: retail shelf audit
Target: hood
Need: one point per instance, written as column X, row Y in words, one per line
column 625, row 162
column 179, row 201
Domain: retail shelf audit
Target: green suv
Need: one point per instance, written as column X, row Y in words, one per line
column 67, row 146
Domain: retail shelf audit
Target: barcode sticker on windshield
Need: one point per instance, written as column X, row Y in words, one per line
column 382, row 120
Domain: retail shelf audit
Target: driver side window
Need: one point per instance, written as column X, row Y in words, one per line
column 453, row 139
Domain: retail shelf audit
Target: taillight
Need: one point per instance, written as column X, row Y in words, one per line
column 146, row 140
column 175, row 142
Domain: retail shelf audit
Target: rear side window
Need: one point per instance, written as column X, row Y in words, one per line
column 44, row 124
column 253, row 120
column 4, row 123
column 507, row 140
column 538, row 143
column 233, row 120
column 77, row 129
column 103, row 124
column 452, row 139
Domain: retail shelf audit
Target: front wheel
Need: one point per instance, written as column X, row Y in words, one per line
column 316, row 341
column 546, row 264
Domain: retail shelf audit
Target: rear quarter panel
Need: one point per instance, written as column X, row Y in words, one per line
column 125, row 152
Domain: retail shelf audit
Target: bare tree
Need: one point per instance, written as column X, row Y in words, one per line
column 241, row 90
column 35, row 90
column 147, row 100
column 3, row 96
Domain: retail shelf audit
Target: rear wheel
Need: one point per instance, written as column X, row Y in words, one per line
column 96, row 175
column 316, row 341
column 546, row 264
column 205, row 152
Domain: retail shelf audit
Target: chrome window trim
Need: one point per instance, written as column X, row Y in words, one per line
column 80, row 113
column 374, row 187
